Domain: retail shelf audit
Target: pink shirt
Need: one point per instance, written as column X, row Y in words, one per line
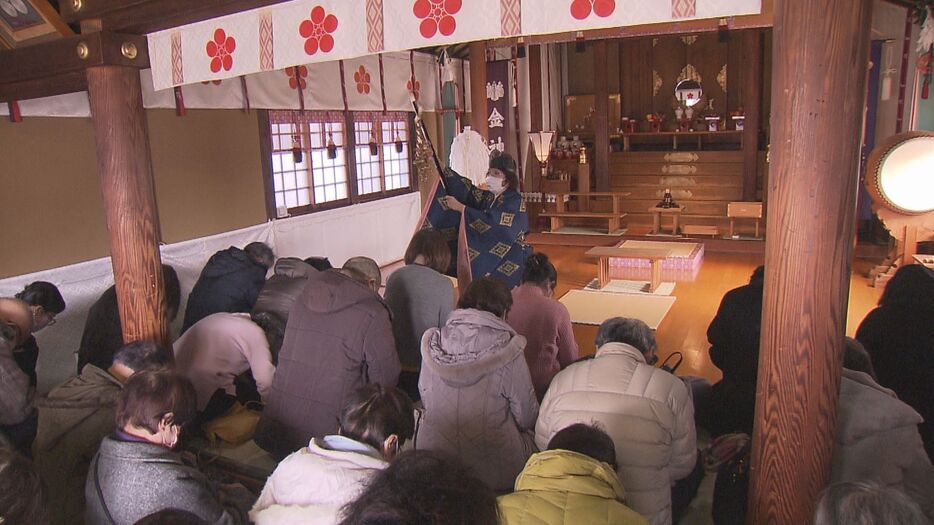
column 546, row 324
column 220, row 347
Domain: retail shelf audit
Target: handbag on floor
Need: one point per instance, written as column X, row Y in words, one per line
column 235, row 427
column 670, row 365
column 728, row 455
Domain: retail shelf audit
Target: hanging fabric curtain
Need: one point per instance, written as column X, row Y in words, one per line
column 306, row 31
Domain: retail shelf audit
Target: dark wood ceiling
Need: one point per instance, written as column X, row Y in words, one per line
column 29, row 22
column 454, row 51
column 146, row 16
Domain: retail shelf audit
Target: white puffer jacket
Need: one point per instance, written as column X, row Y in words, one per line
column 648, row 413
column 310, row 486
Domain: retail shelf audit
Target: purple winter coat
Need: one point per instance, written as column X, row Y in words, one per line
column 338, row 338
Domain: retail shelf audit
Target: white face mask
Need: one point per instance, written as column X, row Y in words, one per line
column 496, row 184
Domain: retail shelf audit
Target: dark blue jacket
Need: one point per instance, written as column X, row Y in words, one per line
column 229, row 282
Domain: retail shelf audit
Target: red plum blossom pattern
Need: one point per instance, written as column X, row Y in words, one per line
column 581, row 9
column 221, row 49
column 317, row 31
column 437, row 16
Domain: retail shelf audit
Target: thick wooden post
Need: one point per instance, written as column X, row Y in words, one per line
column 752, row 102
column 601, row 117
column 821, row 49
column 125, row 165
column 478, row 110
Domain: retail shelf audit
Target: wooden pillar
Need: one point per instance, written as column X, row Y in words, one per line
column 535, row 110
column 601, row 123
column 125, row 166
column 820, row 63
column 752, row 91
column 535, row 87
column 478, row 109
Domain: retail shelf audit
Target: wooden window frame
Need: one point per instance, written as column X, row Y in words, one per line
column 384, row 193
column 349, row 148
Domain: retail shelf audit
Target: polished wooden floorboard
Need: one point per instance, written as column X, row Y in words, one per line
column 685, row 327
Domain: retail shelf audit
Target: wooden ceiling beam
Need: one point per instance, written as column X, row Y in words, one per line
column 74, row 11
column 907, row 4
column 57, row 67
column 61, row 84
column 147, row 16
column 52, row 16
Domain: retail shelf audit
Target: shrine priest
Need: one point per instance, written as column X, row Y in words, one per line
column 485, row 228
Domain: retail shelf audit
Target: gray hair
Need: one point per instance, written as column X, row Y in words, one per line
column 365, row 267
column 260, row 253
column 866, row 503
column 632, row 332
column 142, row 355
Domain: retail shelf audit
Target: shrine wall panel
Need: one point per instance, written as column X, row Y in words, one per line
column 645, row 71
column 207, row 171
column 206, row 167
column 50, row 206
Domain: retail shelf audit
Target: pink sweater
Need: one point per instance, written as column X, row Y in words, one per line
column 546, row 324
column 220, row 347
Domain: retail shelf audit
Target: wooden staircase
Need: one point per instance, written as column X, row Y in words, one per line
column 704, row 182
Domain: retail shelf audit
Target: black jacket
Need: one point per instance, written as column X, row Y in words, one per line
column 900, row 340
column 26, row 356
column 734, row 349
column 103, row 333
column 229, row 282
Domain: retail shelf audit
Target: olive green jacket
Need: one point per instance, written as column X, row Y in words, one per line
column 73, row 419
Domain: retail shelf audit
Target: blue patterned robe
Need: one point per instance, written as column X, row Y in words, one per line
column 492, row 235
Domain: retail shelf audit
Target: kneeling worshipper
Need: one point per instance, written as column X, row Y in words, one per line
column 490, row 240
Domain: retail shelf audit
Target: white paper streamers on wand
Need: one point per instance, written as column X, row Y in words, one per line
column 926, row 38
column 470, row 156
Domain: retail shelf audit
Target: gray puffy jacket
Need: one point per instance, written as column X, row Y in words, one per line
column 479, row 401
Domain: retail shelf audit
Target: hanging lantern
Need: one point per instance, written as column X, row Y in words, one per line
column 297, row 148
column 374, row 147
column 397, row 139
column 332, row 148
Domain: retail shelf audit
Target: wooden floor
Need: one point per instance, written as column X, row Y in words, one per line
column 685, row 327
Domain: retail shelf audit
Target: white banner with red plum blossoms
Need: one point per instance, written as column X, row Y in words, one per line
column 320, row 84
column 301, row 32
